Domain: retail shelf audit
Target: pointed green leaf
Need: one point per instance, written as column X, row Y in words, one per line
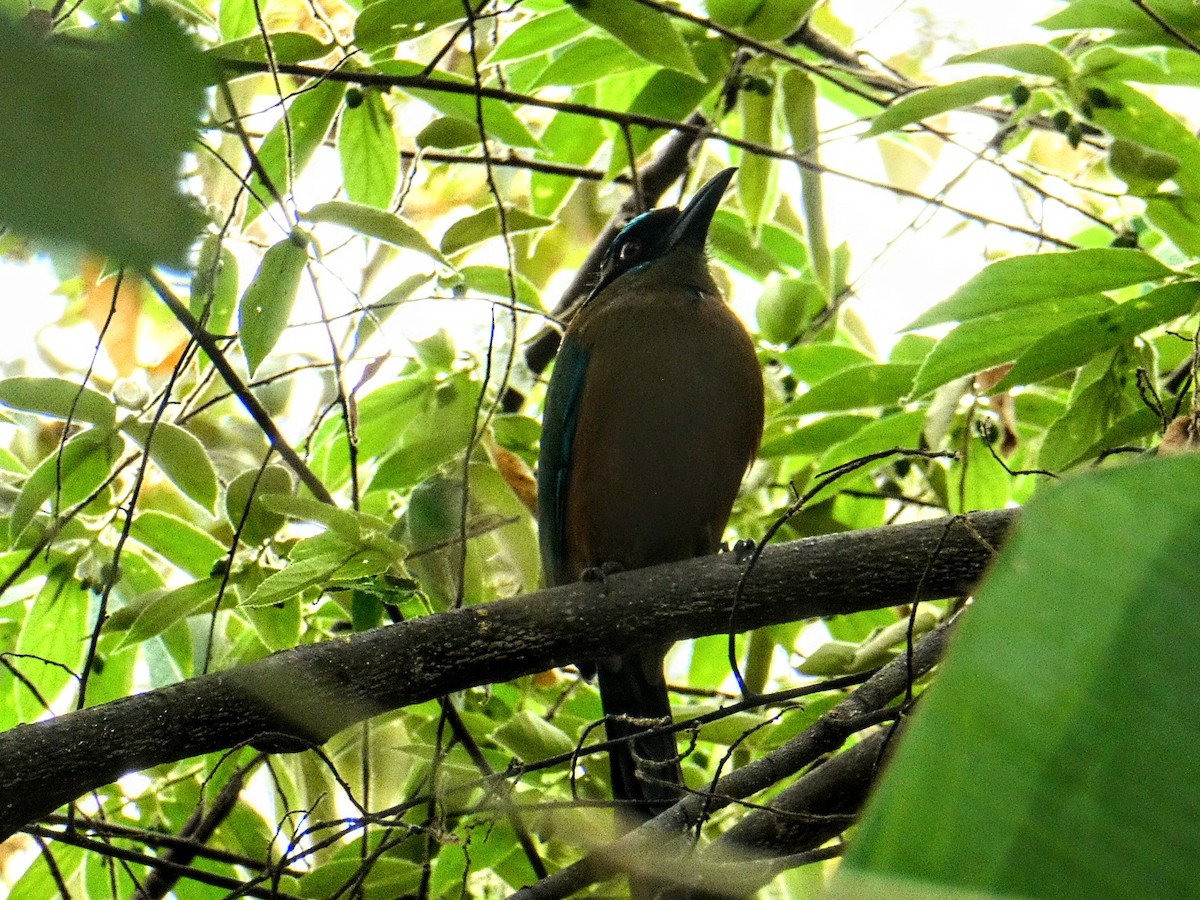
column 66, row 477
column 1025, row 280
column 1071, row 345
column 179, row 542
column 181, row 457
column 286, row 47
column 369, row 153
column 1001, row 337
column 540, row 33
column 484, row 224
column 289, row 146
column 266, row 306
column 1035, row 59
column 647, row 32
column 933, row 101
column 59, row 398
column 857, row 388
column 377, row 223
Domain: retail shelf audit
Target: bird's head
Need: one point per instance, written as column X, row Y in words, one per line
column 656, row 234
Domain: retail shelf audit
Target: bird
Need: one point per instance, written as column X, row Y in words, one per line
column 653, row 414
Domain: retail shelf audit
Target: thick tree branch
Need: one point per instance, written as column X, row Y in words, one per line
column 304, row 696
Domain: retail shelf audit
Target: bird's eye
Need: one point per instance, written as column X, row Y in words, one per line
column 629, row 250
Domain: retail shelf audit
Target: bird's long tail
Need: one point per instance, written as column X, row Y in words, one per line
column 646, row 775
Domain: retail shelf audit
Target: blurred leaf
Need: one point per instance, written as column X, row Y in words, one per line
column 286, row 47
column 1025, row 280
column 1177, row 217
column 756, row 182
column 1034, row 59
column 181, row 457
column 155, row 613
column 898, row 430
column 1142, row 169
column 924, row 103
column 377, row 223
column 530, row 737
column 289, row 146
column 800, row 113
column 1132, row 115
column 385, row 23
column 59, row 398
column 812, row 439
column 66, row 477
column 214, row 292
column 369, row 153
column 52, row 632
column 1087, row 754
column 493, row 280
column 647, row 32
column 813, row 363
column 266, row 306
column 244, row 506
column 72, row 171
column 447, row 132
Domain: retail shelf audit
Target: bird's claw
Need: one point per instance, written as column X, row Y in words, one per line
column 601, row 572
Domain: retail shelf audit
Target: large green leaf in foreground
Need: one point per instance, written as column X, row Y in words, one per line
column 1056, row 755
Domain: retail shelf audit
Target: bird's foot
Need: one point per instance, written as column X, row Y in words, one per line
column 743, row 550
column 601, row 572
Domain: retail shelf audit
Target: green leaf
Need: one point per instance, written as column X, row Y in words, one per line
column 289, row 146
column 178, row 541
column 1062, row 751
column 484, row 224
column 530, row 737
column 52, row 632
column 368, row 150
column 1125, row 17
column 810, row 440
column 813, row 363
column 1074, row 343
column 244, row 506
column 1177, row 217
column 213, row 297
column 350, row 525
column 93, row 139
column 1025, row 280
column 500, row 122
column 237, row 18
column 1095, row 406
column 898, row 430
column 1135, row 117
column 1142, row 169
column 316, row 572
column 385, row 23
column 153, row 614
column 567, row 139
column 1034, row 59
column 756, row 181
column 859, row 387
column 540, row 33
column 933, row 101
column 588, row 60
column 786, row 306
column 181, row 457
column 266, row 306
column 60, row 399
column 987, row 341
column 286, row 47
column 447, row 133
column 800, row 114
column 377, row 223
column 493, row 280
column 647, row 32
column 66, row 477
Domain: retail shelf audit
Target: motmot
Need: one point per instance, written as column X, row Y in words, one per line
column 653, row 414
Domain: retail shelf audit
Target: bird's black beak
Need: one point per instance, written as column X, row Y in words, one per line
column 691, row 228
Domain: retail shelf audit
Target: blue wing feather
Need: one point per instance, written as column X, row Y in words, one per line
column 559, row 421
